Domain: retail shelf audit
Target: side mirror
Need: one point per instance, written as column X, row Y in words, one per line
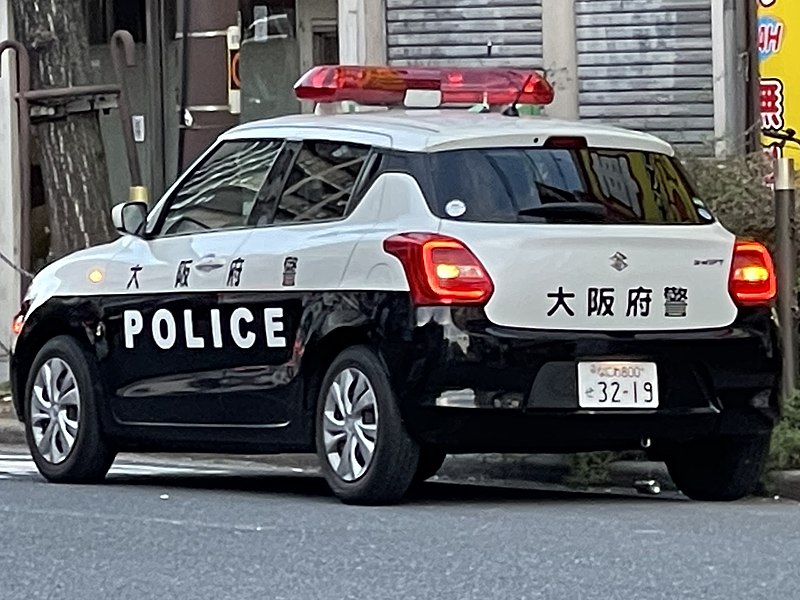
column 129, row 217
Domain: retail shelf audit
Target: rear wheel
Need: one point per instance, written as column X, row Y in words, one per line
column 366, row 454
column 62, row 422
column 723, row 468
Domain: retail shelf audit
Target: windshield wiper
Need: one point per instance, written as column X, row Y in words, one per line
column 568, row 211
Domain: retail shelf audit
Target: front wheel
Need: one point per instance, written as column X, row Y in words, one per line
column 366, row 454
column 719, row 469
column 62, row 422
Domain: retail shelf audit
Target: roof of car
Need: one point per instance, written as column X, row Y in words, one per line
column 436, row 130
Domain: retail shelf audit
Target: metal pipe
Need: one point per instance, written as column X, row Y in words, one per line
column 153, row 11
column 186, row 42
column 123, row 54
column 24, row 127
column 786, row 269
column 71, row 92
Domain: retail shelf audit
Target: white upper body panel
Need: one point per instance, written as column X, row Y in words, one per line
column 546, row 276
column 438, row 130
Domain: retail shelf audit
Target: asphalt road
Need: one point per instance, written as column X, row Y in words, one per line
column 231, row 530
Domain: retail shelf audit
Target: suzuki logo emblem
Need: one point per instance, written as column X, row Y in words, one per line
column 618, row 261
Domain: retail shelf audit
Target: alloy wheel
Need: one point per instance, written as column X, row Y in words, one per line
column 55, row 410
column 350, row 424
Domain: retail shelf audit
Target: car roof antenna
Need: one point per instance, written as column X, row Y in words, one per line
column 511, row 110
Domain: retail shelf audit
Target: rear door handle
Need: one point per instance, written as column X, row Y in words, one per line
column 209, row 263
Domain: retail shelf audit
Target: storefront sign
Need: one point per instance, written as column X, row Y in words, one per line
column 778, row 49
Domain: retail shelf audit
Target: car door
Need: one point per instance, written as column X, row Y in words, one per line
column 173, row 339
column 304, row 238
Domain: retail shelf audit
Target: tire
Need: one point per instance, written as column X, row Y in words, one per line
column 387, row 474
column 430, row 461
column 719, row 469
column 73, row 373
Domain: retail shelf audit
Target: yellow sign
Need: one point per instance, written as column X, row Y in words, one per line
column 779, row 49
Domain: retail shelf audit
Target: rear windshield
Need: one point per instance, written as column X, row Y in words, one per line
column 507, row 185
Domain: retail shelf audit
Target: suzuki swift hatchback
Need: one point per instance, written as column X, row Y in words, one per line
column 392, row 285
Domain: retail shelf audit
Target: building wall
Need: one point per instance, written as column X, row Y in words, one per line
column 9, row 209
column 642, row 64
column 456, row 32
column 647, row 64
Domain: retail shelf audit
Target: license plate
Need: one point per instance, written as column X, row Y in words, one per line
column 617, row 385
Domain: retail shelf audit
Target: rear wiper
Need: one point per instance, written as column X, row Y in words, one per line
column 568, row 211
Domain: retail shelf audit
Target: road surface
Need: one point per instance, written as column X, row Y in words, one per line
column 238, row 530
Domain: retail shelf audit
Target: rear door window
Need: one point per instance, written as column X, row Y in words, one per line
column 320, row 182
column 506, row 185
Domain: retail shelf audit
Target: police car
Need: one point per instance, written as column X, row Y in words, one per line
column 404, row 279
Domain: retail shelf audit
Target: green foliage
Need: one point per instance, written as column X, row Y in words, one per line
column 5, row 388
column 735, row 191
column 590, row 468
column 785, row 449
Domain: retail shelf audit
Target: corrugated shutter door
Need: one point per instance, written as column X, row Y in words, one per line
column 455, row 32
column 647, row 65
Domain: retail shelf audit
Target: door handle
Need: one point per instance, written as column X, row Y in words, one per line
column 209, row 263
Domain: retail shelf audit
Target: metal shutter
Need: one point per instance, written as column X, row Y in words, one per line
column 455, row 32
column 647, row 65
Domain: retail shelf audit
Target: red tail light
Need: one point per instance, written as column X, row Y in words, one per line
column 752, row 280
column 440, row 269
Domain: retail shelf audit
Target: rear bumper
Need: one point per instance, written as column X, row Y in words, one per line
column 476, row 387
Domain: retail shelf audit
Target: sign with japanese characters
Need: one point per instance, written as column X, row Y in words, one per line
column 640, row 302
column 778, row 49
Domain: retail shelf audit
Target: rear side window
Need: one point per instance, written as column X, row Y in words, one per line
column 321, row 182
column 506, row 185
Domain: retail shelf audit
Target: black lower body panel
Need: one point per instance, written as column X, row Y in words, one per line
column 475, row 387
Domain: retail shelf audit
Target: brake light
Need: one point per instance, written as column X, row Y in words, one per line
column 752, row 279
column 387, row 86
column 566, row 143
column 440, row 269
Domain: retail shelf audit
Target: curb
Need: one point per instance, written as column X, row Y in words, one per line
column 785, row 484
column 12, row 432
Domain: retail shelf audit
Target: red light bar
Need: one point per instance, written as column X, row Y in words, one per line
column 387, row 86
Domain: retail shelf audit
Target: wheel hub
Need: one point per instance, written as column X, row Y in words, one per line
column 55, row 408
column 350, row 424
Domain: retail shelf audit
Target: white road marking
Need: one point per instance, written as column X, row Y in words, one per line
column 19, row 465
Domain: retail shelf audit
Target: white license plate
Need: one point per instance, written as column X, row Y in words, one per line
column 617, row 384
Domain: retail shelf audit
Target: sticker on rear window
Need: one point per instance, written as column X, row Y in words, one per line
column 455, row 208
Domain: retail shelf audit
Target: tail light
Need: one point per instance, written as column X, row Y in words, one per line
column 440, row 269
column 752, row 280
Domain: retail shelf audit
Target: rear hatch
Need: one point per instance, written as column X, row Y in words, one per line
column 587, row 239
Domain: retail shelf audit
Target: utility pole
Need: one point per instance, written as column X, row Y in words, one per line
column 560, row 54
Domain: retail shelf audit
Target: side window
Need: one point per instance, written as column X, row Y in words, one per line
column 320, row 182
column 221, row 192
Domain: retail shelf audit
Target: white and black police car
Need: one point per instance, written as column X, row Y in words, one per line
column 401, row 280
